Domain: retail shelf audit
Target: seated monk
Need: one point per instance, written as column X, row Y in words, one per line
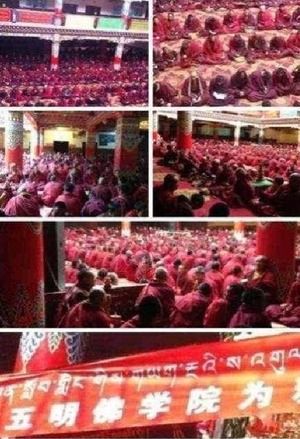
column 212, row 26
column 243, row 190
column 159, row 32
column 296, row 19
column 149, row 314
column 239, row 84
column 264, row 279
column 190, row 309
column 296, row 81
column 288, row 201
column 173, row 28
column 213, row 51
column 237, row 49
column 169, row 56
column 192, row 23
column 251, row 313
column 279, row 48
column 192, row 50
column 282, row 18
column 194, row 90
column 23, row 204
column 293, row 44
column 261, row 86
column 164, row 198
column 164, row 93
column 160, row 289
column 282, row 81
column 265, row 19
column 90, row 313
column 220, row 311
column 257, row 47
column 231, row 23
column 220, row 92
column 248, row 20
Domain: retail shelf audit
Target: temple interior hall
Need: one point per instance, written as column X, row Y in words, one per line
column 238, row 163
column 150, row 274
column 76, row 54
column 73, row 163
column 226, row 53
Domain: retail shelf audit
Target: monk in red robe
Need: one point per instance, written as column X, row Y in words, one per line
column 279, row 48
column 239, row 84
column 212, row 26
column 194, row 91
column 192, row 23
column 293, row 44
column 52, row 190
column 169, row 57
column 162, row 291
column 257, row 48
column 283, row 82
column 190, row 309
column 296, row 19
column 213, row 51
column 216, row 279
column 220, row 311
column 159, row 29
column 231, row 23
column 265, row 19
column 192, row 50
column 296, row 81
column 248, row 20
column 149, row 314
column 164, row 93
column 173, row 28
column 251, row 313
column 237, row 49
column 261, row 86
column 22, row 204
column 282, row 18
column 90, row 313
column 73, row 203
column 220, row 92
column 264, row 279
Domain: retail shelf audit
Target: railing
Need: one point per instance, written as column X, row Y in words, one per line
column 74, row 21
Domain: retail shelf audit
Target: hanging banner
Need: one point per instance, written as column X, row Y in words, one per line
column 174, row 386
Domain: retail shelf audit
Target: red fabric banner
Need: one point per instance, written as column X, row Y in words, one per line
column 174, row 386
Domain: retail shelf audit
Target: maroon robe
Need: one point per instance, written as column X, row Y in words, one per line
column 267, row 283
column 282, row 81
column 194, row 91
column 159, row 29
column 261, row 86
column 239, row 84
column 190, row 311
column 163, row 292
column 192, row 24
column 278, row 48
column 257, row 47
column 237, row 48
column 265, row 20
column 51, row 191
column 296, row 19
column 84, row 315
column 213, row 26
column 248, row 20
column 73, row 203
column 213, row 51
column 282, row 19
column 218, row 314
column 220, row 92
column 22, row 205
column 164, row 93
column 231, row 23
column 244, row 318
column 296, row 82
column 173, row 29
column 293, row 44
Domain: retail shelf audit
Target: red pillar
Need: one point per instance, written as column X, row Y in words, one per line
column 277, row 241
column 184, row 130
column 40, row 351
column 127, row 143
column 14, row 139
column 22, row 274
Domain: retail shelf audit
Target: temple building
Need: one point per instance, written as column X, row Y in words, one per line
column 74, row 54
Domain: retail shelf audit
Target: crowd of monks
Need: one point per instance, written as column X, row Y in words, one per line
column 197, row 278
column 83, row 78
column 55, row 184
column 245, row 41
column 264, row 178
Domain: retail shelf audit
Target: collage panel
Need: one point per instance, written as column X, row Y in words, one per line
column 219, row 53
column 149, row 275
column 55, row 53
column 73, row 163
column 195, row 385
column 226, row 163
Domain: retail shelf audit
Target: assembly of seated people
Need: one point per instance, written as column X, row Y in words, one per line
column 212, row 179
column 204, row 277
column 220, row 52
column 85, row 75
column 61, row 185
